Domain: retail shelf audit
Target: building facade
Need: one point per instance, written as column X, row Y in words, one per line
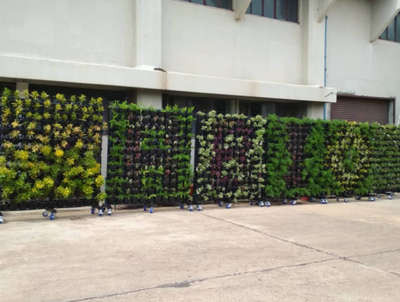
column 315, row 58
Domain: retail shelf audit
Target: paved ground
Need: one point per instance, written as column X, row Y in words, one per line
column 337, row 252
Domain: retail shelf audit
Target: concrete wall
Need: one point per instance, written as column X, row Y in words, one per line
column 93, row 31
column 356, row 66
column 207, row 40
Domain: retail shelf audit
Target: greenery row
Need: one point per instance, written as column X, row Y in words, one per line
column 49, row 149
column 50, row 155
column 149, row 155
column 272, row 158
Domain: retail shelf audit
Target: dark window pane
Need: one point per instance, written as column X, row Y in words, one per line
column 196, row 1
column 398, row 28
column 226, row 4
column 244, row 108
column 220, row 106
column 281, row 9
column 278, row 9
column 255, row 109
column 256, row 7
column 220, row 3
column 212, row 3
column 269, row 8
column 391, row 32
column 249, row 9
column 293, row 10
column 384, row 35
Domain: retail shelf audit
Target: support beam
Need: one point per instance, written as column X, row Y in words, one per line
column 382, row 14
column 323, row 7
column 240, row 7
column 39, row 69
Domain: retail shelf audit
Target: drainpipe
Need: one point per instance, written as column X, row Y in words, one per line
column 325, row 56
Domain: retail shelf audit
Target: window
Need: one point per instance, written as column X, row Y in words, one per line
column 250, row 108
column 392, row 32
column 216, row 3
column 277, row 9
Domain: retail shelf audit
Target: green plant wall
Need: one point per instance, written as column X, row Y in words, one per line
column 230, row 158
column 300, row 157
column 49, row 150
column 149, row 155
column 319, row 178
column 347, row 156
column 277, row 158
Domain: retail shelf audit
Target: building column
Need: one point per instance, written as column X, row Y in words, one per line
column 315, row 110
column 268, row 108
column 396, row 103
column 22, row 86
column 149, row 98
column 233, row 106
column 313, row 52
column 149, row 33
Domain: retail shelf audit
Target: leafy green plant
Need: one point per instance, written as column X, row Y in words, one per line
column 320, row 180
column 47, row 154
column 277, row 158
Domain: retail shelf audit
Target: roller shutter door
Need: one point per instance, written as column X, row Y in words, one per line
column 360, row 110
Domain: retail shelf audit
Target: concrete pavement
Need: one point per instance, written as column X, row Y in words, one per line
column 335, row 252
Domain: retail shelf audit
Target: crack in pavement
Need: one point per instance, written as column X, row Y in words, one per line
column 274, row 236
column 188, row 283
column 336, row 256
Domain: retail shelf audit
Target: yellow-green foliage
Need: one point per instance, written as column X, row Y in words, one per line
column 49, row 147
column 347, row 155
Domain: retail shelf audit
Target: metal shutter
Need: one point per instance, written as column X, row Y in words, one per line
column 360, row 110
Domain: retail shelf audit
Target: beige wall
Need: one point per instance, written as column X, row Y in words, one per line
column 91, row 31
column 203, row 49
column 206, row 40
column 356, row 66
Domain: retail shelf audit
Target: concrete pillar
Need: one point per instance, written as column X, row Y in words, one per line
column 149, row 98
column 149, row 33
column 268, row 108
column 233, row 106
column 22, row 87
column 313, row 43
column 396, row 110
column 104, row 158
column 315, row 110
column 314, row 52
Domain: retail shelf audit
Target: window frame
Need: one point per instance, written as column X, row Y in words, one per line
column 385, row 35
column 204, row 2
column 275, row 11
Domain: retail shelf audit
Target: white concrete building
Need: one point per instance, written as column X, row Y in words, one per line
column 292, row 57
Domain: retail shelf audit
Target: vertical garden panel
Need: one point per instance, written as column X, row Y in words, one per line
column 49, row 150
column 229, row 163
column 149, row 155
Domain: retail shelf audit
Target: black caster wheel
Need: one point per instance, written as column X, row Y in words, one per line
column 52, row 215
